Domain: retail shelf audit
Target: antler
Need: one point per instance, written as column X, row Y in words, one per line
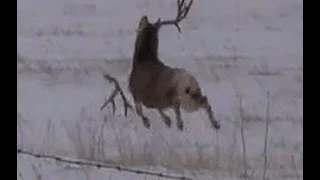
column 115, row 92
column 182, row 9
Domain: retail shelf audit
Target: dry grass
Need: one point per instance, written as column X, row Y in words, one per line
column 91, row 138
column 264, row 70
column 194, row 157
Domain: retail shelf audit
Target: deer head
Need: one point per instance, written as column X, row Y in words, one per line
column 146, row 44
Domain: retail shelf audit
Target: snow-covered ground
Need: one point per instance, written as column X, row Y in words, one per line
column 235, row 48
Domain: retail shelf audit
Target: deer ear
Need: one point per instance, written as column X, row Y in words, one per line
column 142, row 23
column 143, row 20
column 157, row 23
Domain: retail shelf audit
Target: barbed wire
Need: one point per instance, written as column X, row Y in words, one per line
column 100, row 165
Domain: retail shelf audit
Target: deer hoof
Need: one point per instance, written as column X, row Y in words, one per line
column 180, row 126
column 167, row 121
column 217, row 126
column 146, row 122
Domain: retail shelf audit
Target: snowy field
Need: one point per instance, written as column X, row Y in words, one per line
column 235, row 48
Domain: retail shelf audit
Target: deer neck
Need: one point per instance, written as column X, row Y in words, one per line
column 146, row 48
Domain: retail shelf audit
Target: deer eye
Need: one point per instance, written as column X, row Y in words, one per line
column 187, row 90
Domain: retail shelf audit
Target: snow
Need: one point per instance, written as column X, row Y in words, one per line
column 235, row 48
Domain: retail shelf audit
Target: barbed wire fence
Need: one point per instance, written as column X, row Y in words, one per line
column 101, row 165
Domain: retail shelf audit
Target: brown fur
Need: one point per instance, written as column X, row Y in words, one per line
column 158, row 86
column 146, row 44
column 148, row 80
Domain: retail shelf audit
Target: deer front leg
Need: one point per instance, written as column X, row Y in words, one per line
column 165, row 118
column 178, row 116
column 139, row 111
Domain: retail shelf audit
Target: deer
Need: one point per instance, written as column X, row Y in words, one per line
column 155, row 85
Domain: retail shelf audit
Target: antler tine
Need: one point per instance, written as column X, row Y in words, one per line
column 179, row 5
column 115, row 92
column 182, row 11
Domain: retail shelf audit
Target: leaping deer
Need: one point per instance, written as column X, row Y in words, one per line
column 158, row 86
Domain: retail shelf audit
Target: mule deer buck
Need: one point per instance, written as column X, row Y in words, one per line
column 158, row 86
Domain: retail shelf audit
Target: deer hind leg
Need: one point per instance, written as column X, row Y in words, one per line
column 139, row 111
column 165, row 118
column 177, row 111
